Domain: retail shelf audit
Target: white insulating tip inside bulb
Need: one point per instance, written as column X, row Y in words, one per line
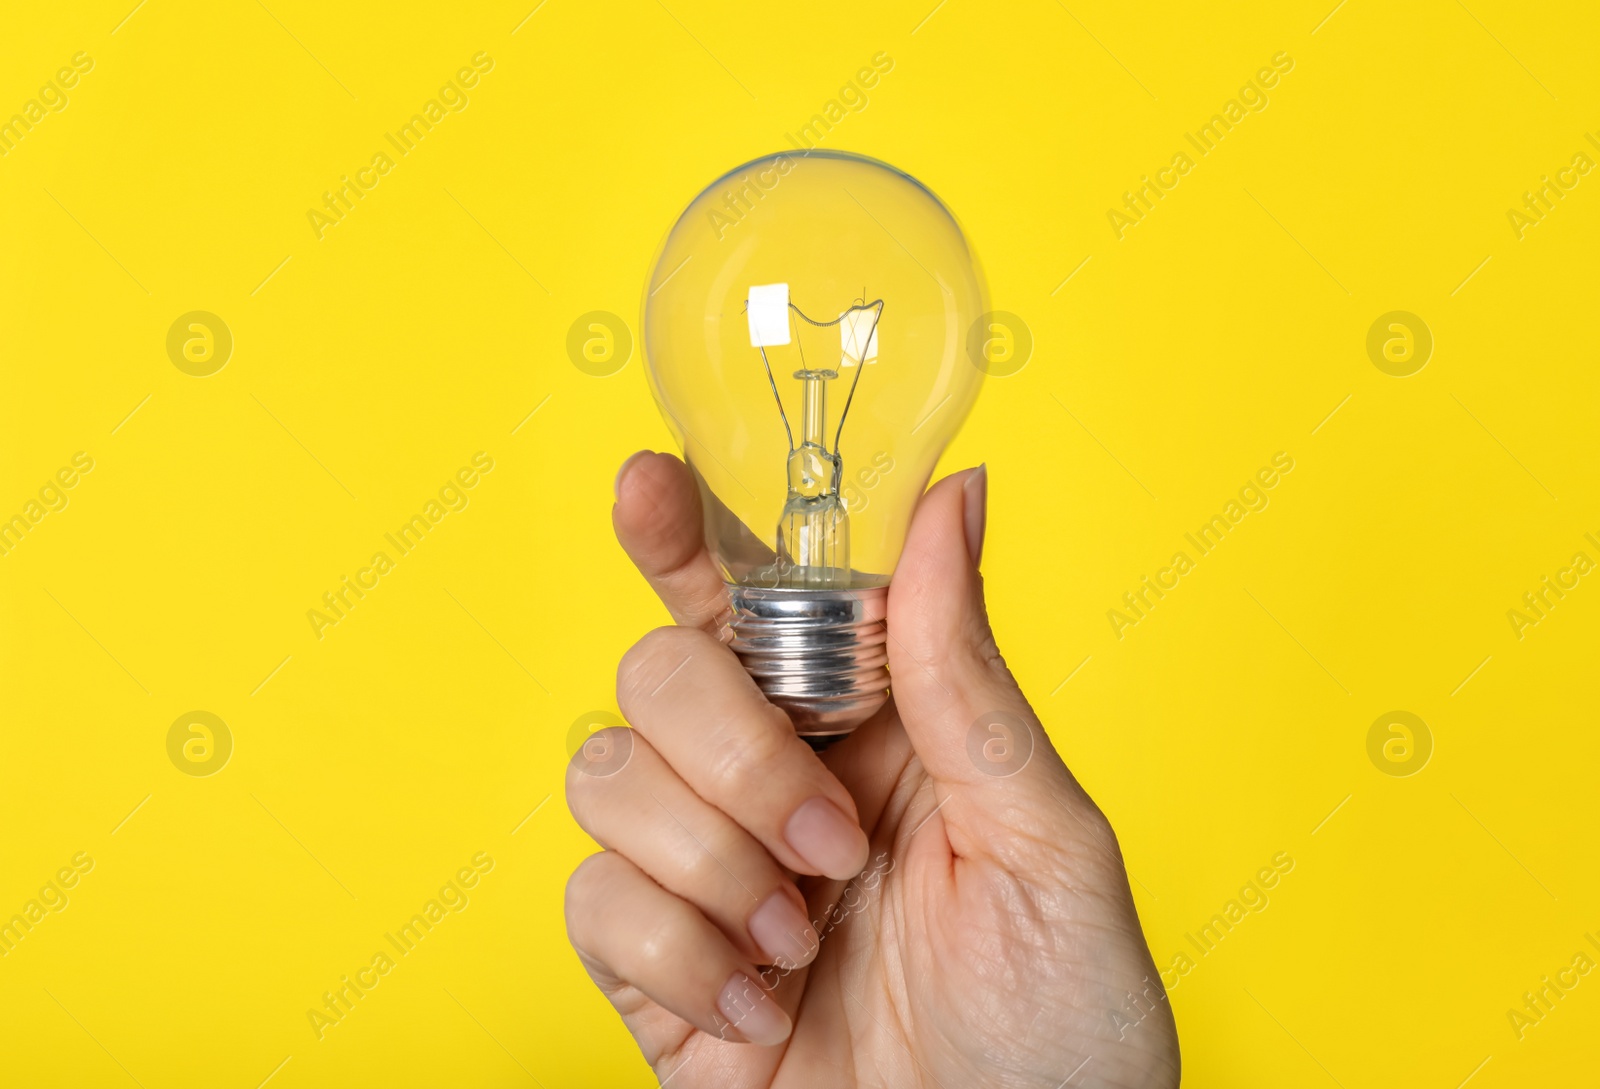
column 858, row 337
column 767, row 307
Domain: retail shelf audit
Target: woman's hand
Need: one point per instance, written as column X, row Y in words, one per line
column 979, row 932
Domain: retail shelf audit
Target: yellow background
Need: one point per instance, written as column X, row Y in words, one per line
column 426, row 726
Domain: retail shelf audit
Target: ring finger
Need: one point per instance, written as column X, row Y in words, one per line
column 640, row 808
column 630, row 931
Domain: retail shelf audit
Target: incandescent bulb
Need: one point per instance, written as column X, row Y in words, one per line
column 805, row 329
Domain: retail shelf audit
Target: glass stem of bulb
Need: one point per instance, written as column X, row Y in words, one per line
column 814, row 532
column 813, row 407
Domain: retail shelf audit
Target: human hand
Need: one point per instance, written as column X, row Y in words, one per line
column 979, row 932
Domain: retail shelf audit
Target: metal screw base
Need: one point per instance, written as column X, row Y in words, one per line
column 821, row 655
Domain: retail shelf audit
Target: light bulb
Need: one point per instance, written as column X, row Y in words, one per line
column 806, row 330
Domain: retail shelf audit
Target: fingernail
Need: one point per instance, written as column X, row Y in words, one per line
column 783, row 932
column 752, row 1012
column 830, row 842
column 976, row 491
column 616, row 485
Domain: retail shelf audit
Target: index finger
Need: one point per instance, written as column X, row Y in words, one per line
column 659, row 522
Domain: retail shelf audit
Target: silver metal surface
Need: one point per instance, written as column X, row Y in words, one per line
column 821, row 655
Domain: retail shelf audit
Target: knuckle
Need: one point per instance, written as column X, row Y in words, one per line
column 576, row 788
column 710, row 875
column 652, row 661
column 602, row 771
column 585, row 888
column 580, row 789
column 655, row 951
column 741, row 759
column 602, row 754
column 1101, row 832
column 700, row 875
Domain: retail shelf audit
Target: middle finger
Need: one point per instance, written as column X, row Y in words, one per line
column 644, row 811
column 690, row 698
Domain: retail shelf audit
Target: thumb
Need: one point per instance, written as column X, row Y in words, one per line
column 969, row 722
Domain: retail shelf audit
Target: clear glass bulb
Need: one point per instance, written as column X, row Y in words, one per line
column 806, row 332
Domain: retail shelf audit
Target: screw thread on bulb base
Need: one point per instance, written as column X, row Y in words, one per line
column 821, row 655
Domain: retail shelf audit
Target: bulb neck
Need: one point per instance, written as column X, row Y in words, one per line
column 821, row 655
